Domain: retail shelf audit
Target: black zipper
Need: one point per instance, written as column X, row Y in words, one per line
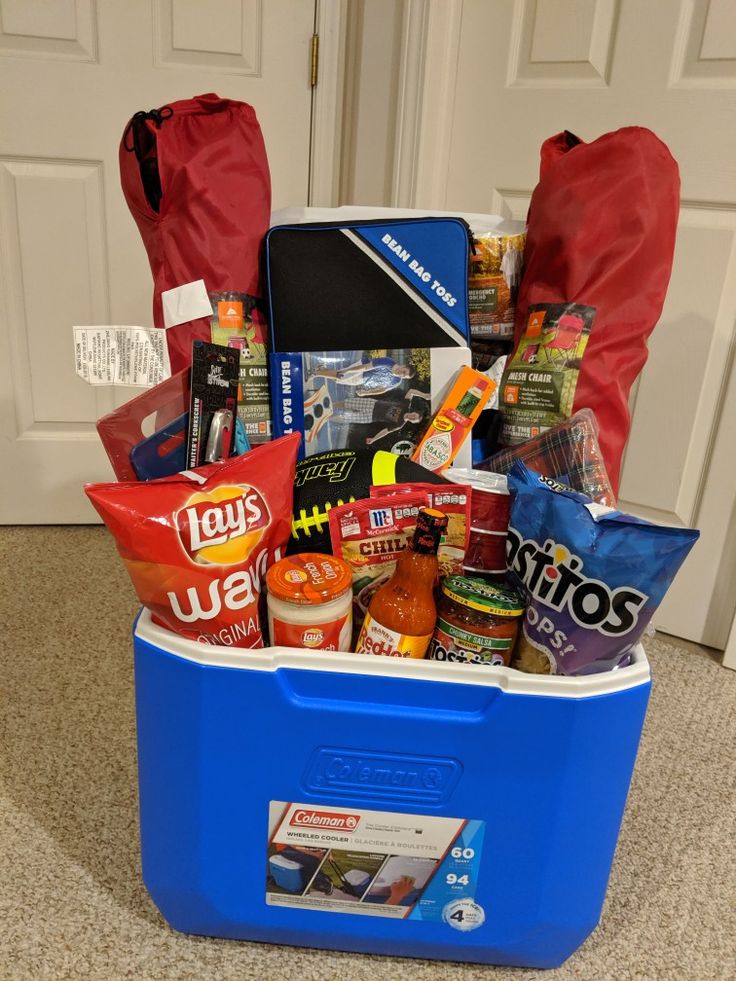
column 361, row 222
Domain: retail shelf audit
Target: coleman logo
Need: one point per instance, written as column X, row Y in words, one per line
column 555, row 577
column 307, row 818
column 222, row 527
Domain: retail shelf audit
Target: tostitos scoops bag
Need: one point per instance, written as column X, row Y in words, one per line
column 592, row 577
column 197, row 545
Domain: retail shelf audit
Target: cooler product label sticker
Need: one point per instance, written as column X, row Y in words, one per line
column 538, row 388
column 375, row 863
column 136, row 356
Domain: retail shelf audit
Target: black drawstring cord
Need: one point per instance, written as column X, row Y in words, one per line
column 144, row 147
column 137, row 123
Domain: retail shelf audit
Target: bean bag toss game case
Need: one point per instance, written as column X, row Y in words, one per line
column 401, row 282
column 380, row 805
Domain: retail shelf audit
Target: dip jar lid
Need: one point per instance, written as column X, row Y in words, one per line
column 309, row 578
column 477, row 594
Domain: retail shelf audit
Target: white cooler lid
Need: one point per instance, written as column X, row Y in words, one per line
column 282, row 862
column 356, row 877
column 508, row 679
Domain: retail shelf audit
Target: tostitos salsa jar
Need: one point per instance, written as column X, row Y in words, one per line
column 477, row 622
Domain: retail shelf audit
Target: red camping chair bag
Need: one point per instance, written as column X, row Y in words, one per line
column 601, row 235
column 196, row 179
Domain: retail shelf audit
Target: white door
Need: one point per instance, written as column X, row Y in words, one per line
column 501, row 76
column 72, row 72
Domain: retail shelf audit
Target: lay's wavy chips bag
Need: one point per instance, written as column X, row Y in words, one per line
column 197, row 544
column 592, row 576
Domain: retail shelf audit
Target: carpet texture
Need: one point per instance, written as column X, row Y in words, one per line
column 72, row 904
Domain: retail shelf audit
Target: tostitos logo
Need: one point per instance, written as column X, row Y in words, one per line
column 307, row 818
column 224, row 526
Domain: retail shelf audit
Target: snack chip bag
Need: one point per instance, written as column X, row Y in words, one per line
column 592, row 576
column 197, row 544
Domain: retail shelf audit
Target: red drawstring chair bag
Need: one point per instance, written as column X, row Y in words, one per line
column 599, row 249
column 195, row 176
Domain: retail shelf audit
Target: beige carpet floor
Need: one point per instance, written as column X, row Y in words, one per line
column 72, row 904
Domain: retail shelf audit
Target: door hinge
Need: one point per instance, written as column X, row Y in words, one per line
column 314, row 61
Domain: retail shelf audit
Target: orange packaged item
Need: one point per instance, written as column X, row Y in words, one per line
column 451, row 426
column 402, row 615
column 197, row 545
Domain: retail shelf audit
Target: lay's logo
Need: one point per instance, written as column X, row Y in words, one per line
column 223, row 527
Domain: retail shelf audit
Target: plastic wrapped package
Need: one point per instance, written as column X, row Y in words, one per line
column 137, row 456
column 568, row 453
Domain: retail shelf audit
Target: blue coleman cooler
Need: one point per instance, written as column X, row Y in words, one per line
column 288, row 873
column 381, row 805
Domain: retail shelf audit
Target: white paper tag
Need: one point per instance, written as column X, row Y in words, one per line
column 137, row 356
column 186, row 302
column 495, row 373
column 599, row 510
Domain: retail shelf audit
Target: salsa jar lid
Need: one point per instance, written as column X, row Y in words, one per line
column 309, row 578
column 478, row 594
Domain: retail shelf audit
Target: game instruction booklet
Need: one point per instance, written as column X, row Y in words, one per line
column 375, row 399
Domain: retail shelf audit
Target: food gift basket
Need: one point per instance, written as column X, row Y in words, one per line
column 432, row 757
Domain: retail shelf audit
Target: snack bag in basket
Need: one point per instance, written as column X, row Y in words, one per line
column 592, row 576
column 197, row 544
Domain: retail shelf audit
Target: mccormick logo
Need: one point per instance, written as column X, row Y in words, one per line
column 222, row 527
column 307, row 818
column 381, row 517
column 554, row 576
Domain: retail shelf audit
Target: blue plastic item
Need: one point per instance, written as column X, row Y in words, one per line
column 241, row 750
column 288, row 873
column 163, row 453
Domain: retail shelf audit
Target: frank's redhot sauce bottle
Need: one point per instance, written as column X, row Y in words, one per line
column 402, row 614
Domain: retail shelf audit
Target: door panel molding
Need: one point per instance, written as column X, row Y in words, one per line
column 68, row 30
column 537, row 59
column 187, row 35
column 427, row 90
column 327, row 104
column 704, row 53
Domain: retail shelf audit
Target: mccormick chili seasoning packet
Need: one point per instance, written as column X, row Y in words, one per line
column 197, row 544
column 454, row 501
column 369, row 535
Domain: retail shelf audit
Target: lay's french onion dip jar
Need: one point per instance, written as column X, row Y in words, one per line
column 310, row 602
column 477, row 622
